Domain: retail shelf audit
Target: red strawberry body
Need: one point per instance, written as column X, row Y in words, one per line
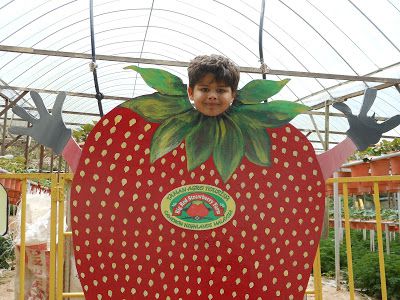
column 126, row 249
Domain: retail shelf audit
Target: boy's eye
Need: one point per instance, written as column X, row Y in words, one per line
column 204, row 89
column 221, row 90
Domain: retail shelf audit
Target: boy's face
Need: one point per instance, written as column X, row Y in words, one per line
column 210, row 97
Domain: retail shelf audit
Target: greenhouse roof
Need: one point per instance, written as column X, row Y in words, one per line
column 331, row 50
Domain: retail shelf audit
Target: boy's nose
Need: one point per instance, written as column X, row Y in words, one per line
column 212, row 95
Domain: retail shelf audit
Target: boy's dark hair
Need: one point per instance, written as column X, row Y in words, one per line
column 223, row 68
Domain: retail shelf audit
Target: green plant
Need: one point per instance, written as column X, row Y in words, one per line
column 367, row 276
column 80, row 135
column 365, row 264
column 6, row 251
column 383, row 147
column 14, row 165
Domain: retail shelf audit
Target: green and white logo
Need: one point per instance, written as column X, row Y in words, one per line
column 198, row 207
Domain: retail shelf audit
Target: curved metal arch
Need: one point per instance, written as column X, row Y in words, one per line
column 346, row 82
column 54, row 79
column 106, row 103
column 82, row 83
column 72, row 24
column 30, row 22
column 260, row 37
column 373, row 24
column 159, row 27
column 144, row 41
column 74, row 78
column 216, row 28
column 277, row 40
column 345, row 34
column 272, row 36
column 393, row 5
column 320, row 35
column 199, row 20
column 389, row 104
column 6, row 4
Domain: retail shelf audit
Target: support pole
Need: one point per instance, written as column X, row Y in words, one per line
column 26, row 153
column 348, row 240
column 41, row 156
column 3, row 143
column 377, row 203
column 51, row 161
column 338, row 223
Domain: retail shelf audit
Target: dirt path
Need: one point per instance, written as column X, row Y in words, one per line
column 6, row 285
column 329, row 291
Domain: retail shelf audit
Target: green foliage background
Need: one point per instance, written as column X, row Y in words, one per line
column 365, row 264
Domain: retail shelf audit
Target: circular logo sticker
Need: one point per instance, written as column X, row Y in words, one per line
column 198, row 207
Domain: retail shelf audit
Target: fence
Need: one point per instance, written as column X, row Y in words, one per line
column 58, row 189
column 374, row 181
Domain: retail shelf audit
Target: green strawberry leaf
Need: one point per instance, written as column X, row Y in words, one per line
column 161, row 80
column 200, row 142
column 157, row 108
column 260, row 90
column 171, row 133
column 271, row 114
column 228, row 148
column 256, row 140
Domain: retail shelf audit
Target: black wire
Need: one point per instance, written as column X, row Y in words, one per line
column 99, row 96
column 260, row 37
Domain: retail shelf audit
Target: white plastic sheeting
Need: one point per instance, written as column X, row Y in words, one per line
column 348, row 37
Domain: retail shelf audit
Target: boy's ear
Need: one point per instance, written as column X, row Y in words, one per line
column 190, row 92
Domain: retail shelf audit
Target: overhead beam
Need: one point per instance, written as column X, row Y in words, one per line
column 66, row 123
column 316, row 141
column 74, row 94
column 68, row 112
column 12, row 103
column 348, row 96
column 339, row 132
column 314, row 113
column 340, row 115
column 255, row 70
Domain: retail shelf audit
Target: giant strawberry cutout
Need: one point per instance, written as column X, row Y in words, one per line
column 170, row 204
column 155, row 174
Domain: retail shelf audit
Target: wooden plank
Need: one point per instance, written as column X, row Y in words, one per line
column 12, row 103
column 255, row 70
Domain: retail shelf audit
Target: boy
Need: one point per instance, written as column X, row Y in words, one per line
column 213, row 82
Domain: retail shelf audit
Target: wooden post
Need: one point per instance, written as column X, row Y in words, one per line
column 3, row 143
column 338, row 225
column 325, row 225
column 27, row 149
column 59, row 163
column 372, row 240
column 387, row 239
column 41, row 155
column 68, row 242
column 51, row 161
column 398, row 207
